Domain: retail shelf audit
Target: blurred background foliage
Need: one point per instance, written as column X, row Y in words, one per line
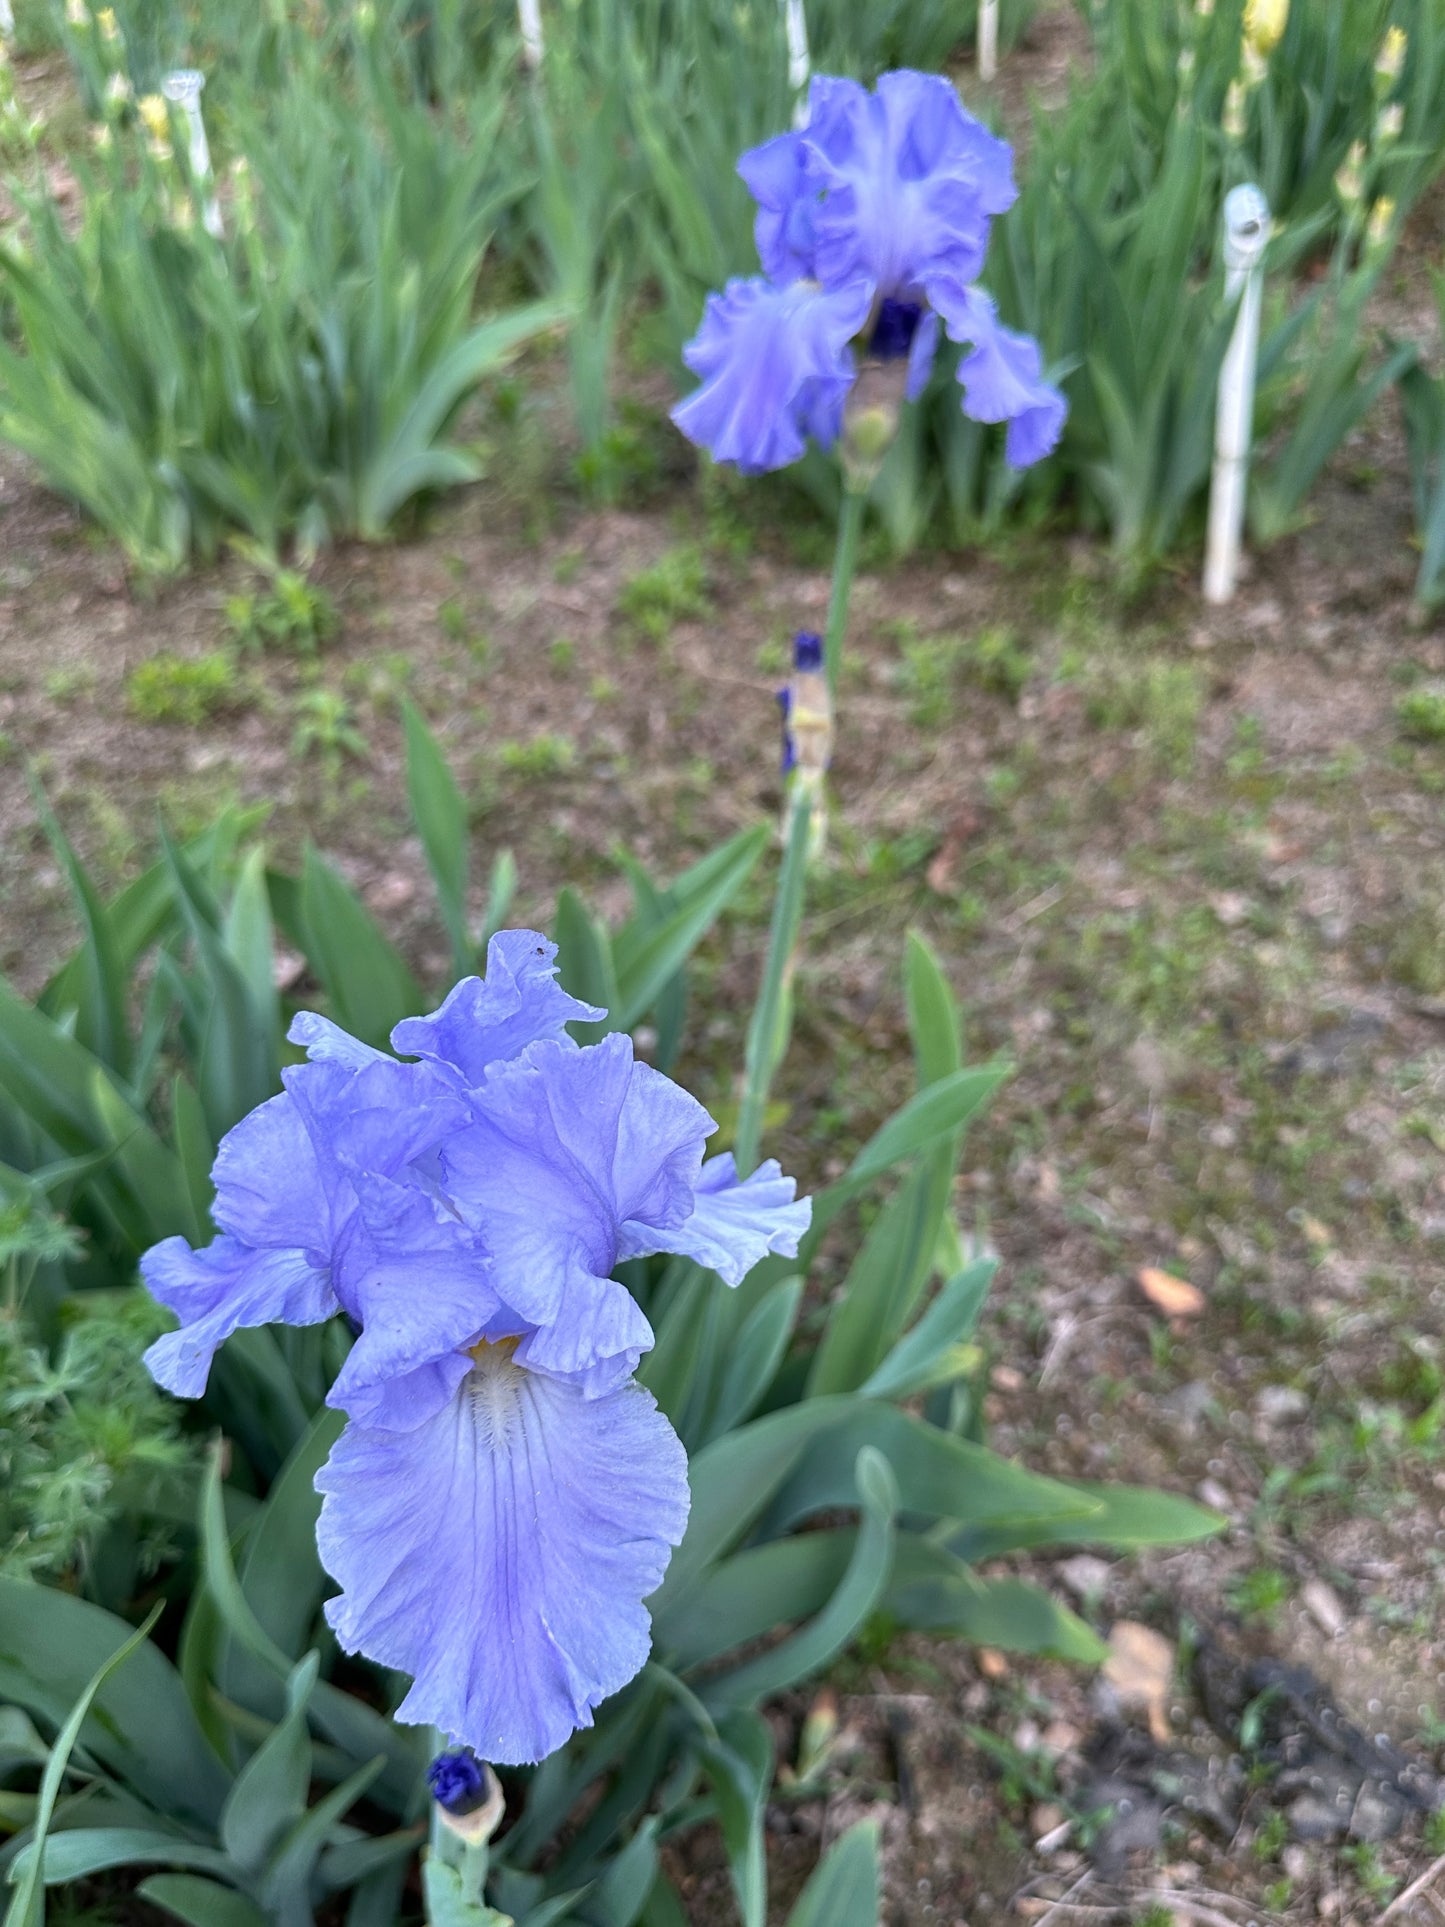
column 336, row 355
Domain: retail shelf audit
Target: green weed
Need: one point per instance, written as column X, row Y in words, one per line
column 547, row 755
column 84, row 1435
column 1158, row 699
column 671, row 591
column 1260, row 1593
column 927, row 674
column 168, row 688
column 1364, row 1859
column 64, row 685
column 1420, row 715
column 326, row 728
column 293, row 612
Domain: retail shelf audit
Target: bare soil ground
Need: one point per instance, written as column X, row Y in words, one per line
column 1184, row 867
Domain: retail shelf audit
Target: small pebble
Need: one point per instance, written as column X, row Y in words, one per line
column 1281, row 1404
column 1322, row 1604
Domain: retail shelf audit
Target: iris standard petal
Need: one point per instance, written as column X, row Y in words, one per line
column 500, row 1552
column 776, row 174
column 1003, row 380
column 267, row 1180
column 420, row 1286
column 327, row 1043
column 215, row 1292
column 775, row 366
column 905, row 183
column 735, row 1222
column 565, row 1146
column 485, row 1020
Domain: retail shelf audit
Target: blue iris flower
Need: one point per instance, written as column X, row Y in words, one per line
column 872, row 226
column 504, row 1495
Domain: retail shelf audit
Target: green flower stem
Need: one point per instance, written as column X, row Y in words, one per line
column 768, row 1030
column 771, row 1022
column 845, row 560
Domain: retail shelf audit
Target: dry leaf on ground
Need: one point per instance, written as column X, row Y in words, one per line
column 1174, row 1296
column 1140, row 1668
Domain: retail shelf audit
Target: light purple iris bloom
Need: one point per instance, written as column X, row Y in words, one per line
column 504, row 1496
column 873, row 222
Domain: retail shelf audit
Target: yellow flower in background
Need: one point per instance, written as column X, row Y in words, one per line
column 1390, row 60
column 155, row 115
column 77, row 14
column 1382, row 216
column 1264, row 25
column 108, row 24
column 1389, row 123
column 117, row 91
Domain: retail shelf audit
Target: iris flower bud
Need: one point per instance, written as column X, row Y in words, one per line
column 1390, row 60
column 1264, row 25
column 1350, row 176
column 808, row 730
column 468, row 1795
column 1389, row 123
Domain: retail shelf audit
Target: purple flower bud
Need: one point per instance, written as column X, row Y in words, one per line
column 790, row 751
column 807, row 651
column 458, row 1781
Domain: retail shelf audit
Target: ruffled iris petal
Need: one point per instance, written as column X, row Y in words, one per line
column 776, row 174
column 1003, row 381
column 327, row 1043
column 775, row 366
column 565, row 1146
column 487, row 1020
column 215, row 1292
column 734, row 1223
column 267, row 1179
column 419, row 1285
column 500, row 1553
column 906, row 181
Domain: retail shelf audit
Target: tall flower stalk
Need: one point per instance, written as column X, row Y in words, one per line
column 872, row 227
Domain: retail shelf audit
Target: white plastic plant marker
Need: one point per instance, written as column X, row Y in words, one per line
column 7, row 19
column 529, row 19
column 800, row 63
column 183, row 89
column 987, row 39
column 1246, row 235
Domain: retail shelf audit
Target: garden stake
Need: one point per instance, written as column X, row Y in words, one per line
column 1246, row 233
column 795, row 23
column 7, row 19
column 529, row 18
column 987, row 39
column 183, row 89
